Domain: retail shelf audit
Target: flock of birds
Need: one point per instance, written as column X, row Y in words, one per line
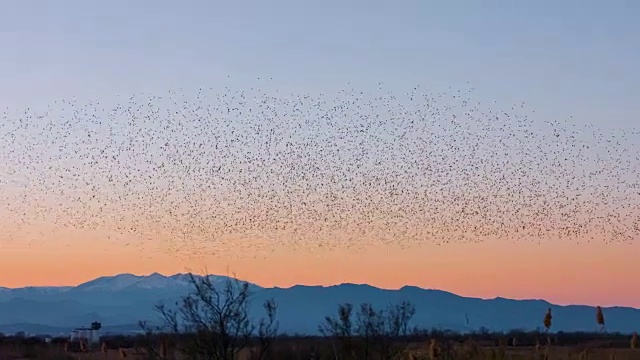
column 233, row 171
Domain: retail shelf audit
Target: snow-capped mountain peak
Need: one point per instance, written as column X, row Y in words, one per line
column 151, row 281
column 113, row 283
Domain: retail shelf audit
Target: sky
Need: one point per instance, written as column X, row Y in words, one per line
column 572, row 61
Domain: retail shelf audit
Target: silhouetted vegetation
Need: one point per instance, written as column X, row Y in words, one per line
column 214, row 322
column 450, row 345
column 372, row 334
column 218, row 316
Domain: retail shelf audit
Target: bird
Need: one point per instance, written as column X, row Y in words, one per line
column 240, row 172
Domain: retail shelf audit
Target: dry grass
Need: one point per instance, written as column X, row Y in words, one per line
column 464, row 352
column 302, row 350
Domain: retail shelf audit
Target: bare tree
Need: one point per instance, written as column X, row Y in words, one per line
column 368, row 325
column 268, row 330
column 217, row 318
column 340, row 328
column 375, row 334
column 394, row 324
column 400, row 315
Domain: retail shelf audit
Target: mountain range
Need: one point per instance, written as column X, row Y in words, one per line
column 120, row 301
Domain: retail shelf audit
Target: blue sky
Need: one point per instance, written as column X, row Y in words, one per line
column 567, row 58
column 571, row 58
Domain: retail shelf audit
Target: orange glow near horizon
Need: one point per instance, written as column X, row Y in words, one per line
column 562, row 273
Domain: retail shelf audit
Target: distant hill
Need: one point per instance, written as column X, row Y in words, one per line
column 119, row 302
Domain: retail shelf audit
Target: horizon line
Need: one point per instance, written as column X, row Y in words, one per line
column 143, row 275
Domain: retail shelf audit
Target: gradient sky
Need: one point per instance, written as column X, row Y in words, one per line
column 572, row 60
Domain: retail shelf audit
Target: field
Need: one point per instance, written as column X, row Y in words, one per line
column 437, row 346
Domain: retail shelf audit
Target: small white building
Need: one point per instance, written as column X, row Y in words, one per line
column 91, row 336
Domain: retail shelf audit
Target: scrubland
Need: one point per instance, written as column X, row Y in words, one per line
column 214, row 322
